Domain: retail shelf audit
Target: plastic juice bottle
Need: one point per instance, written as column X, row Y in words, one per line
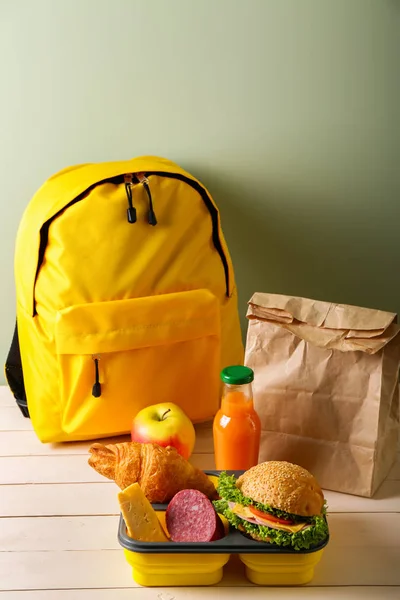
column 236, row 427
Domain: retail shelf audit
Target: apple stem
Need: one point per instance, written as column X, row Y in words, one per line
column 166, row 412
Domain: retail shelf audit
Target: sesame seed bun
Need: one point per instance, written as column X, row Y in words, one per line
column 253, row 535
column 284, row 486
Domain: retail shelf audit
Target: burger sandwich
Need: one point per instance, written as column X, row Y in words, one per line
column 275, row 502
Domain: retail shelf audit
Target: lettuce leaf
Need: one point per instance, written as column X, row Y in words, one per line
column 302, row 540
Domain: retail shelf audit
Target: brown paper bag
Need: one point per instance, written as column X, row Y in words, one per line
column 326, row 388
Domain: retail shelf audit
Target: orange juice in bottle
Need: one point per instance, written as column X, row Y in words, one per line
column 236, row 427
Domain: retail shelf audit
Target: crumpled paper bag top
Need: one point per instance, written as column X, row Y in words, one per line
column 325, row 324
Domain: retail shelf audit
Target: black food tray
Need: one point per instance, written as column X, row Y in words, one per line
column 234, row 541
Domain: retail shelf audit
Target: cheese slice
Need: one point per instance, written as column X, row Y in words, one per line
column 245, row 513
column 140, row 518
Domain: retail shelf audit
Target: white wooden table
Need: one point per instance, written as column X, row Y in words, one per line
column 59, row 518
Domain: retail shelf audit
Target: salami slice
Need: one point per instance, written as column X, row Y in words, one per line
column 220, row 531
column 191, row 517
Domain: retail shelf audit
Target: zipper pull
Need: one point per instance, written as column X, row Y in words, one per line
column 96, row 390
column 131, row 210
column 145, row 182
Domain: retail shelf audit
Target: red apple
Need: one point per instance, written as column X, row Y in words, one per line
column 165, row 424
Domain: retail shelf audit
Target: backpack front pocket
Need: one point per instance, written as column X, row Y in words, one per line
column 118, row 357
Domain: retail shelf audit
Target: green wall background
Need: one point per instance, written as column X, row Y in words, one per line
column 288, row 110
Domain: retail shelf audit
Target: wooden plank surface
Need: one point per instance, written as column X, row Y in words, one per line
column 256, row 593
column 359, row 540
column 63, row 570
column 386, row 499
column 100, row 498
column 26, row 443
column 44, row 534
column 11, row 419
column 17, row 437
column 61, row 499
column 26, row 534
column 107, row 568
column 47, row 469
column 6, row 397
column 64, row 469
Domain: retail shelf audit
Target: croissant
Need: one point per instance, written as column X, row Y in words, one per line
column 160, row 472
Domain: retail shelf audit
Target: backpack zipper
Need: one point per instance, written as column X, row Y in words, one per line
column 96, row 389
column 44, row 230
column 145, row 182
column 131, row 210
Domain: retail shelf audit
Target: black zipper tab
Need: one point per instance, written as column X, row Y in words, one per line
column 131, row 210
column 152, row 219
column 96, row 390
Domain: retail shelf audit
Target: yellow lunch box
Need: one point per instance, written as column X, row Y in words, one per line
column 172, row 564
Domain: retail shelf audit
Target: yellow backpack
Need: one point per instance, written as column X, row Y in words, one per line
column 125, row 298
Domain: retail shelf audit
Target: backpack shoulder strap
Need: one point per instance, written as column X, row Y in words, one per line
column 14, row 374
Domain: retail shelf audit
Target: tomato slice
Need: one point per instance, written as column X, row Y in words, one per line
column 267, row 516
